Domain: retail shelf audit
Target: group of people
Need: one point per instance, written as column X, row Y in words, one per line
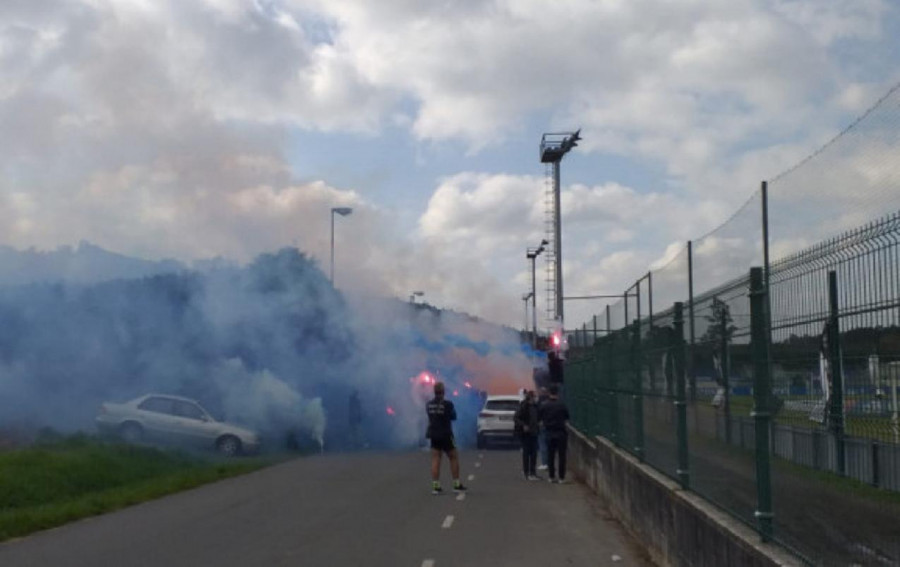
column 543, row 419
column 536, row 418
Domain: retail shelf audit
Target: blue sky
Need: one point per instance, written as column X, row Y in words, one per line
column 190, row 129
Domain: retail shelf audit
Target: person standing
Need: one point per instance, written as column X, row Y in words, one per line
column 554, row 414
column 441, row 415
column 354, row 416
column 542, row 435
column 527, row 428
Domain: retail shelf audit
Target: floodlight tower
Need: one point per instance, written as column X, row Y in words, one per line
column 554, row 146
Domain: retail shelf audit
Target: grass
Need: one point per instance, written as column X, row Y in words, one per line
column 51, row 484
column 868, row 427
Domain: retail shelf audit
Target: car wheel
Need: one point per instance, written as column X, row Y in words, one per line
column 131, row 432
column 480, row 442
column 229, row 445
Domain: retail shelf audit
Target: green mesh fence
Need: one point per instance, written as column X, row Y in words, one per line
column 832, row 442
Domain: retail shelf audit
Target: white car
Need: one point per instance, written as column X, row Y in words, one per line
column 496, row 419
column 173, row 419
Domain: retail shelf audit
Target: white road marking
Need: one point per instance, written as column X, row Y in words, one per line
column 428, row 563
column 477, row 465
column 461, row 496
column 480, row 455
column 471, row 477
column 448, row 521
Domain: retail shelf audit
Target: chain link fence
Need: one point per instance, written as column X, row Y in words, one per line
column 775, row 398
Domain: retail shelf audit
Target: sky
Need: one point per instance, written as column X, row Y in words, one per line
column 196, row 129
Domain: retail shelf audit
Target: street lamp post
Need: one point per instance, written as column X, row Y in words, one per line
column 532, row 254
column 525, row 298
column 343, row 211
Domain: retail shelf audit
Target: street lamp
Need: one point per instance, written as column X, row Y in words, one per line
column 343, row 211
column 525, row 298
column 413, row 295
column 532, row 254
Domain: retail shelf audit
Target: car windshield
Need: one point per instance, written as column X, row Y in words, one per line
column 502, row 405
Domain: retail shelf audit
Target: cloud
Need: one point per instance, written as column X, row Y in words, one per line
column 163, row 129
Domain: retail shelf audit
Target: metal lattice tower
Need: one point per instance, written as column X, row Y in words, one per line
column 554, row 146
column 550, row 236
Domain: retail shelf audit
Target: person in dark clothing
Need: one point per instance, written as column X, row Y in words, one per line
column 554, row 414
column 441, row 415
column 542, row 435
column 354, row 417
column 526, row 419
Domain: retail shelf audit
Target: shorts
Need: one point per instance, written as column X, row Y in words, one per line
column 444, row 444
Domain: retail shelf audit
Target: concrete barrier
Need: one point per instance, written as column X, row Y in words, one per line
column 677, row 526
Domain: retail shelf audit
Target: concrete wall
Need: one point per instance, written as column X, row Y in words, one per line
column 678, row 527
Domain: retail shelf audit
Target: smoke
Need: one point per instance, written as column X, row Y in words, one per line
column 271, row 345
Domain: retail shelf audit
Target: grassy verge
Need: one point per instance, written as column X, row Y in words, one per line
column 49, row 485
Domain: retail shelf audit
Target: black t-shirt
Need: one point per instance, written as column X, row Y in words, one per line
column 554, row 414
column 440, row 415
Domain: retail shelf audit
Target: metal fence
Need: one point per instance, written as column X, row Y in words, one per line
column 774, row 393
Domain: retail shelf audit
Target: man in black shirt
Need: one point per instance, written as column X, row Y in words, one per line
column 554, row 414
column 441, row 414
column 526, row 428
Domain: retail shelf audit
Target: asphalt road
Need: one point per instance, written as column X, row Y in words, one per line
column 370, row 510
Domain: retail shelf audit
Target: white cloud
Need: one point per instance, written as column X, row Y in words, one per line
column 162, row 128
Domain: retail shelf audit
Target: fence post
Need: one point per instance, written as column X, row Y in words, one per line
column 613, row 393
column 637, row 393
column 683, row 472
column 691, row 371
column 836, row 411
column 762, row 397
column 726, row 385
column 875, row 465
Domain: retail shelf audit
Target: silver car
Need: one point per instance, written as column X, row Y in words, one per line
column 173, row 419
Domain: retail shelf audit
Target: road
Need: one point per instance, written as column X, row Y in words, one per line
column 363, row 509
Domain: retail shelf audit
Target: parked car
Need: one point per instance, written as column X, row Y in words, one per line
column 495, row 421
column 174, row 420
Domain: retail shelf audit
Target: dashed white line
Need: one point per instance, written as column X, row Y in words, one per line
column 461, row 496
column 428, row 563
column 480, row 455
column 477, row 465
column 471, row 477
column 448, row 521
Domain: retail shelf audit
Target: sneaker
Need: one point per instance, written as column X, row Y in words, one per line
column 542, row 467
column 562, row 481
column 436, row 490
column 551, row 480
column 459, row 487
column 534, row 477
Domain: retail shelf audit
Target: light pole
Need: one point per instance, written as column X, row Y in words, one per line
column 532, row 254
column 343, row 211
column 525, row 298
column 554, row 146
column 413, row 295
